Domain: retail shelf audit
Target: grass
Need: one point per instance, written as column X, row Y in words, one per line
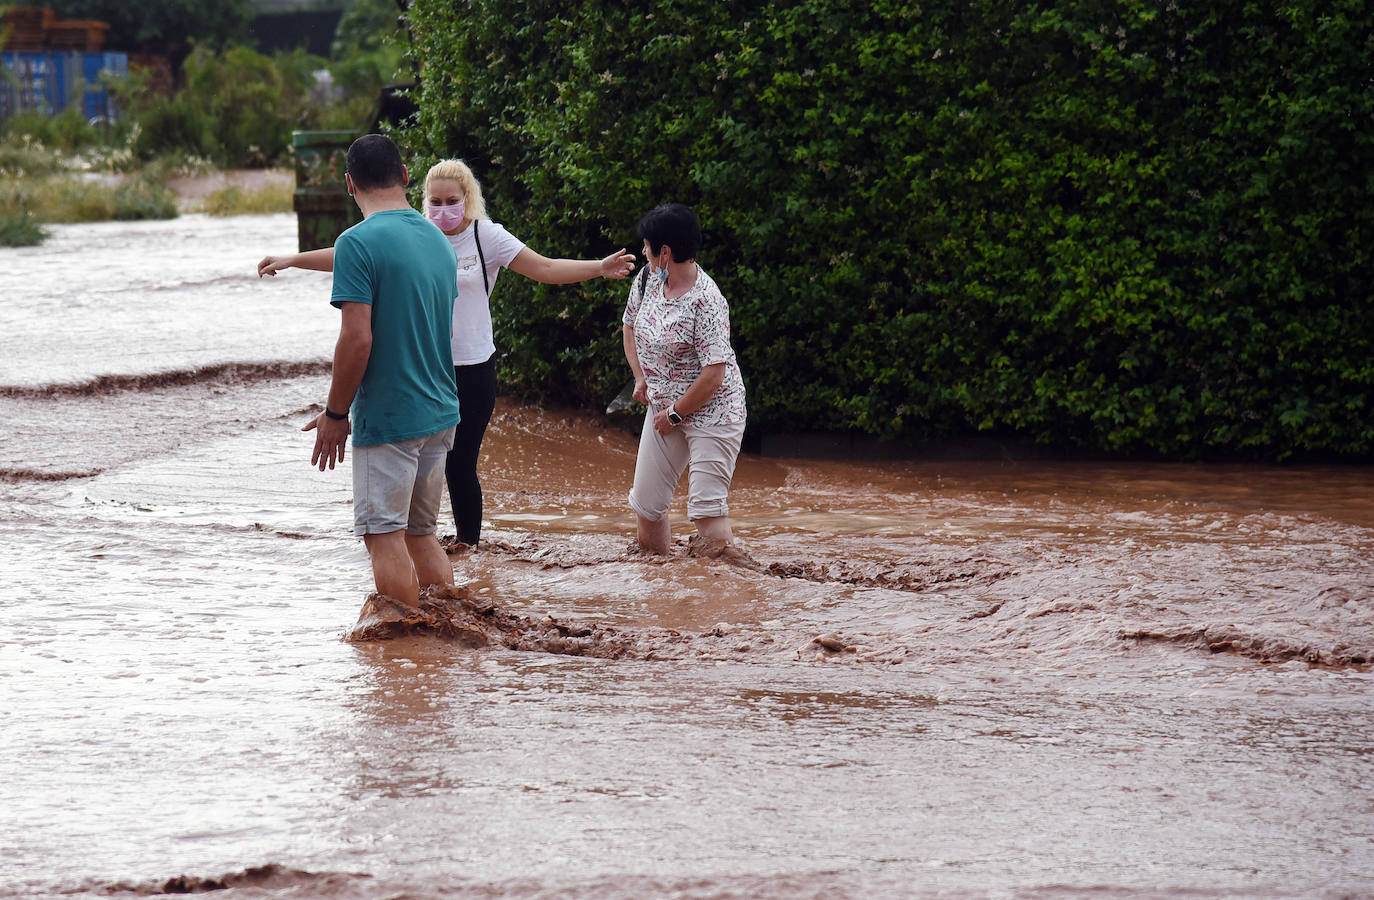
column 27, row 156
column 234, row 201
column 74, row 198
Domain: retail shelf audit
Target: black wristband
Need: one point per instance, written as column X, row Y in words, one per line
column 337, row 417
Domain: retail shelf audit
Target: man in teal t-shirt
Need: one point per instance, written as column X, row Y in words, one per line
column 395, row 281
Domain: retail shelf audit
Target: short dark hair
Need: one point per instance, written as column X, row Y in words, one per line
column 672, row 224
column 374, row 162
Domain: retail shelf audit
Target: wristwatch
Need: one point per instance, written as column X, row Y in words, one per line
column 337, row 417
column 673, row 416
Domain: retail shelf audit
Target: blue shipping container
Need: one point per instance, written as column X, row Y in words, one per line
column 49, row 82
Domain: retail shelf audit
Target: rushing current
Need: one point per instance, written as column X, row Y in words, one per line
column 954, row 678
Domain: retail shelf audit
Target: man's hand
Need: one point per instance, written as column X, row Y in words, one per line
column 661, row 423
column 331, row 436
column 642, row 391
column 618, row 264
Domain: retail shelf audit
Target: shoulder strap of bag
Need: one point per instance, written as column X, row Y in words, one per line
column 481, row 259
column 643, row 273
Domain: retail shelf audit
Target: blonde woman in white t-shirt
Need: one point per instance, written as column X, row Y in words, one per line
column 453, row 202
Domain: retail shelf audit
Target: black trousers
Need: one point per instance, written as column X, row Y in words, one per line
column 476, row 401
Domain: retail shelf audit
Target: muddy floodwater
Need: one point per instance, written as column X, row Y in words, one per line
column 943, row 678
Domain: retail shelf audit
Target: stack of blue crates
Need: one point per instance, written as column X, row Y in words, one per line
column 50, row 81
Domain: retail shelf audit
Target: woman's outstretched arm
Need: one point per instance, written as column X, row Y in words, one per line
column 569, row 271
column 321, row 260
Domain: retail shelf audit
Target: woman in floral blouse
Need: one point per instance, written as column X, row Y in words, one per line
column 677, row 341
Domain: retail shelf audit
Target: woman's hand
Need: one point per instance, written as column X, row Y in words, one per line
column 661, row 423
column 642, row 391
column 321, row 260
column 618, row 264
column 271, row 265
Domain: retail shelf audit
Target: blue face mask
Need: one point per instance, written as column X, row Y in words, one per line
column 659, row 272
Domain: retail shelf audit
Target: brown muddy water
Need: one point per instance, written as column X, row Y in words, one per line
column 954, row 679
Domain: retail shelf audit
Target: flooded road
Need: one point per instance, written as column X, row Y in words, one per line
column 953, row 678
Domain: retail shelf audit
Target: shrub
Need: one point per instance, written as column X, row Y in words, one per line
column 1122, row 227
column 140, row 198
column 174, row 125
column 20, row 230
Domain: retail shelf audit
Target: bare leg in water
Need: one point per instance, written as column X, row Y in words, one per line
column 655, row 535
column 715, row 529
column 403, row 563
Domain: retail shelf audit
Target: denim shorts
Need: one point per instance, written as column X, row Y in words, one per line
column 400, row 485
column 710, row 452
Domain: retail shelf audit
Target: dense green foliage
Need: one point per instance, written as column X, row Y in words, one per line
column 166, row 26
column 237, row 107
column 1131, row 227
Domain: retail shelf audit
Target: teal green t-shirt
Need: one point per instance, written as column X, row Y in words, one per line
column 401, row 265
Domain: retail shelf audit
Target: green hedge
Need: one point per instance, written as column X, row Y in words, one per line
column 1132, row 227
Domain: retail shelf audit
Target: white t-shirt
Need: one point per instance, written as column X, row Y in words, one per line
column 472, row 338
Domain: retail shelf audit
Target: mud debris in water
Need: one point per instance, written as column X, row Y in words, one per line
column 1260, row 647
column 453, row 614
column 908, row 575
column 271, row 876
column 583, row 550
column 913, row 575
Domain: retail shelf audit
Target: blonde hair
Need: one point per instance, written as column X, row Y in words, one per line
column 457, row 170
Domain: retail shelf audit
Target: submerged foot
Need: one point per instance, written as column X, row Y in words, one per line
column 442, row 609
column 453, row 547
column 729, row 551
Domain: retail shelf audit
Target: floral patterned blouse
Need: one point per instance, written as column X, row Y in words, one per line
column 675, row 339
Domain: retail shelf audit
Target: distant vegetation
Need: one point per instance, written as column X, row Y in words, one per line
column 230, row 107
column 236, row 201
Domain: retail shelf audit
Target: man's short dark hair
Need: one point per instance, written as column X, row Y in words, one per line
column 374, row 162
column 672, row 224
